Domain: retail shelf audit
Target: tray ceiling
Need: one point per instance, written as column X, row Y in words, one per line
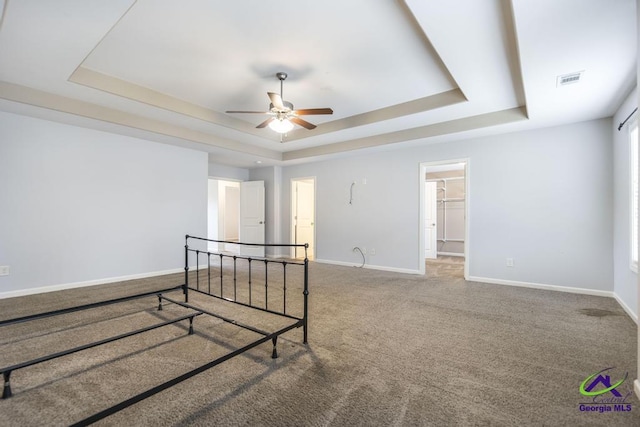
column 393, row 71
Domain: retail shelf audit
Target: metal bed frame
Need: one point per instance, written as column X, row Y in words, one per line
column 296, row 322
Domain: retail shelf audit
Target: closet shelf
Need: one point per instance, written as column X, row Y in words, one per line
column 457, row 199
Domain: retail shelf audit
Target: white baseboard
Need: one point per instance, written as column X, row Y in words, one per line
column 626, row 308
column 369, row 266
column 583, row 291
column 541, row 286
column 51, row 288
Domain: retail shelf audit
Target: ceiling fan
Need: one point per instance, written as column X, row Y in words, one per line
column 283, row 115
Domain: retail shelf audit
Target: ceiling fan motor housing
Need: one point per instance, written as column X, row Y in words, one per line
column 288, row 106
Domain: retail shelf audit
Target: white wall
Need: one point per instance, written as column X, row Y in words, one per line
column 542, row 197
column 624, row 279
column 228, row 172
column 636, row 383
column 79, row 205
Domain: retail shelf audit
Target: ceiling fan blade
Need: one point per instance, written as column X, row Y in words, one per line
column 276, row 100
column 265, row 123
column 246, row 112
column 312, row 111
column 303, row 123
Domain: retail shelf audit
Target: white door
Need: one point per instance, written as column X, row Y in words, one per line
column 304, row 213
column 252, row 217
column 430, row 212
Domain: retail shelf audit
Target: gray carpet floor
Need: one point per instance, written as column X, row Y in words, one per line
column 384, row 349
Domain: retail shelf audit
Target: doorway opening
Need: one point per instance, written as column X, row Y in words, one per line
column 444, row 219
column 223, row 214
column 303, row 215
column 236, row 212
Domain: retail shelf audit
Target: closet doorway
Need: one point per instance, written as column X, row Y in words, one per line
column 444, row 217
column 303, row 215
column 223, row 214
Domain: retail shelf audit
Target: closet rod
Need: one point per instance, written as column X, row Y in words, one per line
column 454, row 178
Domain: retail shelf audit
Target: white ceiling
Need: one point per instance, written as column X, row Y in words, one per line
column 394, row 71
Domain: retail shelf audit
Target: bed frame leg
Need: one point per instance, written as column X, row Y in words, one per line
column 185, row 286
column 304, row 334
column 185, row 291
column 159, row 302
column 191, row 325
column 6, row 392
column 274, row 354
column 305, row 316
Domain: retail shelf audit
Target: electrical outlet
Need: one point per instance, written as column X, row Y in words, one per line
column 372, row 251
column 509, row 262
column 4, row 270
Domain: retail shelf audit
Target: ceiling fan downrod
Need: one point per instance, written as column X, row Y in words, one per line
column 282, row 77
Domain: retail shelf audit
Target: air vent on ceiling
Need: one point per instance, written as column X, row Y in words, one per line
column 567, row 79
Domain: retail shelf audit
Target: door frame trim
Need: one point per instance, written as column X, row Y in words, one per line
column 435, row 201
column 423, row 166
column 292, row 230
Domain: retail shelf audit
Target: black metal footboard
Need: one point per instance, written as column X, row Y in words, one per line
column 215, row 286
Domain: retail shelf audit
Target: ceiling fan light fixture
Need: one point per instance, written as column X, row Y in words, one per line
column 281, row 125
column 283, row 116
